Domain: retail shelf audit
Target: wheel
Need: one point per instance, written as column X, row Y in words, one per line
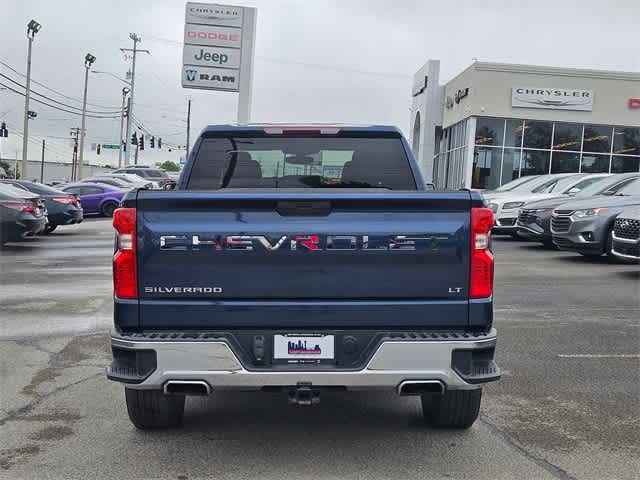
column 454, row 409
column 50, row 228
column 149, row 409
column 108, row 209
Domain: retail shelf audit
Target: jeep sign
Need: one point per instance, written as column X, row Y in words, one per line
column 211, row 56
column 218, row 50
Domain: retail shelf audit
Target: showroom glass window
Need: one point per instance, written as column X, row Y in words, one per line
column 505, row 149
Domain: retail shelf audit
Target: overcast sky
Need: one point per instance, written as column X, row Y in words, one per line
column 329, row 60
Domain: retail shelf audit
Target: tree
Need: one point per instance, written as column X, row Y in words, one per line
column 169, row 166
column 7, row 168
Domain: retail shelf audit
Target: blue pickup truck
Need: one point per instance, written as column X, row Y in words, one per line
column 302, row 259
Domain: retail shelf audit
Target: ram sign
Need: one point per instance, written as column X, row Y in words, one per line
column 218, row 48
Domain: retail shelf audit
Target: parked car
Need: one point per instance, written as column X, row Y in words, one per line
column 586, row 226
column 135, row 181
column 507, row 205
column 534, row 218
column 155, row 175
column 96, row 198
column 626, row 235
column 114, row 182
column 512, row 185
column 22, row 214
column 62, row 208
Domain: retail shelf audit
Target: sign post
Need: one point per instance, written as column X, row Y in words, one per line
column 219, row 44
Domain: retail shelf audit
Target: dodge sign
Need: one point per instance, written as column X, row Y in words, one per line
column 552, row 98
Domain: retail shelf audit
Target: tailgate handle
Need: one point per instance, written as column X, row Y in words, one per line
column 303, row 209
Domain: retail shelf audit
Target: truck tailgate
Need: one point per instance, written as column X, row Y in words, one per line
column 314, row 259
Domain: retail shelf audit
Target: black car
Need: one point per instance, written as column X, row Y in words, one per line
column 21, row 214
column 63, row 208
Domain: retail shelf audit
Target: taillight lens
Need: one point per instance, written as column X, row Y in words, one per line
column 125, row 278
column 20, row 206
column 481, row 281
column 67, row 199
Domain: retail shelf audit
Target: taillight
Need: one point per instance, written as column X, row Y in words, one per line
column 125, row 278
column 21, row 206
column 481, row 281
column 67, row 199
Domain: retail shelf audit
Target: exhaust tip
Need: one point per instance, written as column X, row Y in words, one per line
column 421, row 387
column 187, row 387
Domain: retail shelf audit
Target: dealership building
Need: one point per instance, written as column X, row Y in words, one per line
column 495, row 122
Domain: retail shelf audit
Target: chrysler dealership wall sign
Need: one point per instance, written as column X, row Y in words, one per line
column 218, row 52
column 552, row 98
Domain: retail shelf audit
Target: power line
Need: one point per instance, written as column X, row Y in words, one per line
column 303, row 64
column 51, row 89
column 55, row 106
column 56, row 101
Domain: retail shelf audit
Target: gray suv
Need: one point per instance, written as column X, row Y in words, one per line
column 585, row 226
column 626, row 235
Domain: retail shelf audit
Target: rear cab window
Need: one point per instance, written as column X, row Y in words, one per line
column 296, row 161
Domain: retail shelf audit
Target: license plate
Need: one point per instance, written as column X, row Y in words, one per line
column 303, row 347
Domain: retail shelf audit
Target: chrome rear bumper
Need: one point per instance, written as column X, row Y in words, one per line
column 393, row 362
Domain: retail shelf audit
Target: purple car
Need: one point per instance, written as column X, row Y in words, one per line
column 96, row 198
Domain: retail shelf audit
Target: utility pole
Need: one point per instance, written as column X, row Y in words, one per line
column 137, row 150
column 75, row 133
column 136, row 38
column 188, row 126
column 33, row 27
column 88, row 60
column 125, row 91
column 42, row 164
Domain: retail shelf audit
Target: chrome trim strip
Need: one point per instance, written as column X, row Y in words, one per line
column 623, row 240
column 624, row 255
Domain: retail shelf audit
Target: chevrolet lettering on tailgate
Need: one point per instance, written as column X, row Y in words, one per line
column 302, row 242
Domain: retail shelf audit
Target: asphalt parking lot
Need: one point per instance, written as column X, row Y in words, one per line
column 568, row 405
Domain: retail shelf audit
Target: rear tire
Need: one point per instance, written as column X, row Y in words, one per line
column 454, row 409
column 151, row 409
column 108, row 209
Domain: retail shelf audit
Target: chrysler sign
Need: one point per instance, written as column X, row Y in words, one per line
column 552, row 98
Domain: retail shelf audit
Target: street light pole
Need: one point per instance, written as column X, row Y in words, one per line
column 136, row 38
column 88, row 60
column 125, row 91
column 33, row 27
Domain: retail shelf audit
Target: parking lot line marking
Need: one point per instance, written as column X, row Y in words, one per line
column 600, row 355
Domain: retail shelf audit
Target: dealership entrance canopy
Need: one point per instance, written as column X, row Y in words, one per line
column 495, row 122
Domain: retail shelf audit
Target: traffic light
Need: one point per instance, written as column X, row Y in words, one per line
column 134, row 139
column 3, row 130
column 124, row 145
column 98, row 149
column 141, row 142
column 152, row 142
column 159, row 142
